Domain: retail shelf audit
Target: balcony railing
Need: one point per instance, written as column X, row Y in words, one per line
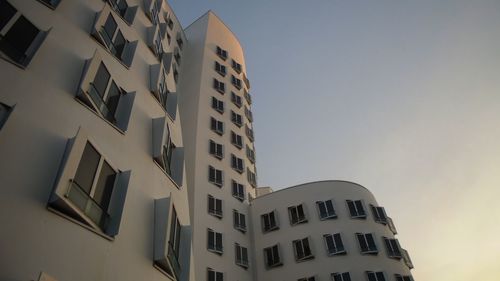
column 406, row 258
column 173, row 260
column 391, row 225
column 87, row 204
column 242, row 262
column 100, row 104
column 215, row 248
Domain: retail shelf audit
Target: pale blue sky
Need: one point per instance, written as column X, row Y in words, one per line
column 402, row 97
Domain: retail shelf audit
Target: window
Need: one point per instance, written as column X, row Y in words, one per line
column 236, row 82
column 312, row 278
column 379, row 214
column 236, row 66
column 180, row 42
column 334, row 244
column 156, row 35
column 393, row 248
column 170, row 23
column 367, row 243
column 337, row 276
column 302, row 249
column 252, row 178
column 159, row 88
column 219, row 86
column 215, row 206
column 124, row 10
column 174, row 238
column 237, row 164
column 375, row 276
column 221, row 69
column 356, row 209
column 216, row 150
column 241, row 255
column 215, row 176
column 166, row 154
column 236, row 99
column 89, row 188
column 238, row 190
column 247, row 97
column 239, row 221
column 19, row 38
column 249, row 133
column 236, row 140
column 169, row 38
column 218, row 105
column 326, row 210
column 250, row 154
column 248, row 114
column 221, row 53
column 214, row 241
column 217, row 126
column 269, row 221
column 51, row 3
column 297, row 214
column 177, row 56
column 214, row 275
column 237, row 119
column 103, row 95
column 272, row 256
column 175, row 73
column 400, row 277
column 154, row 10
column 5, row 111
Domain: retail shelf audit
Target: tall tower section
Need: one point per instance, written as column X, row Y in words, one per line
column 220, row 156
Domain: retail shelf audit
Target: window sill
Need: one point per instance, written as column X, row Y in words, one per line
column 166, row 174
column 299, row 222
column 341, row 253
column 163, row 108
column 164, row 272
column 218, row 252
column 359, row 217
column 98, row 232
column 271, row 229
column 328, row 218
column 268, row 267
column 304, row 259
column 107, row 50
column 98, row 115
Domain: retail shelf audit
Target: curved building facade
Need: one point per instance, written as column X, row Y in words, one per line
column 327, row 230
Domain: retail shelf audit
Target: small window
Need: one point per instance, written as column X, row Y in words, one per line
column 154, row 11
column 236, row 82
column 249, row 133
column 236, row 99
column 311, row 278
column 237, row 164
column 302, row 249
column 155, row 39
column 379, row 214
column 214, row 242
column 213, row 275
column 124, row 10
column 375, row 276
column 334, row 244
column 269, row 221
column 338, row 276
column 180, row 42
column 170, row 23
column 236, row 66
column 166, row 154
column 252, row 178
column 218, row 105
column 400, row 277
column 239, row 221
column 221, row 53
column 175, row 73
column 236, row 140
column 214, row 206
column 221, row 69
column 250, row 154
column 217, row 126
column 5, row 111
column 169, row 38
column 215, row 176
column 393, row 248
column 238, row 190
column 174, row 239
column 272, row 256
column 168, row 150
column 367, row 243
column 237, row 119
column 219, row 86
column 248, row 97
column 241, row 255
column 297, row 214
column 216, row 150
column 19, row 38
column 177, row 56
column 356, row 209
column 326, row 210
column 248, row 114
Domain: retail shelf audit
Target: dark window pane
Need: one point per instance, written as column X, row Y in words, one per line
column 87, row 168
column 19, row 38
column 119, row 44
column 104, row 186
column 7, row 11
column 110, row 26
column 101, row 79
column 113, row 98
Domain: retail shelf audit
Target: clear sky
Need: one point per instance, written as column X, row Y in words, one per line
column 402, row 97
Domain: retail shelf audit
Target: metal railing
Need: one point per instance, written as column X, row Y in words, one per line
column 174, row 260
column 391, row 225
column 87, row 204
column 406, row 258
column 100, row 104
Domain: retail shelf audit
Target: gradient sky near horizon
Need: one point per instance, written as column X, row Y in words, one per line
column 402, row 97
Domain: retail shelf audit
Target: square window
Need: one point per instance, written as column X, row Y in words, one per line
column 269, row 221
column 239, row 221
column 237, row 164
column 216, row 150
column 221, row 53
column 302, row 249
column 326, row 210
column 238, row 190
column 272, row 256
column 297, row 214
column 214, row 241
column 241, row 256
column 213, row 275
column 338, row 276
column 215, row 176
column 217, row 126
column 375, row 276
column 214, row 206
column 367, row 243
column 334, row 244
column 356, row 209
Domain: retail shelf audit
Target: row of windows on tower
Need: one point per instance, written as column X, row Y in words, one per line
column 237, row 119
column 298, row 215
column 369, row 275
column 217, row 127
column 216, row 176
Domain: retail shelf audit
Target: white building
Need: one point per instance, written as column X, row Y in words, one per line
column 127, row 153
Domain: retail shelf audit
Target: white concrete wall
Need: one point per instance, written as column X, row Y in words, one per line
column 322, row 265
column 32, row 142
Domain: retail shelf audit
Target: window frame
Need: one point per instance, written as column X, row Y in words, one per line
column 356, row 211
column 241, row 255
column 220, row 68
column 338, row 249
column 300, row 219
column 218, row 105
column 237, row 164
column 218, row 178
column 235, row 190
column 370, row 243
column 375, row 275
column 275, row 252
column 236, row 140
column 303, row 244
column 329, row 214
column 218, row 208
column 237, row 119
column 219, row 86
column 236, row 99
column 267, row 217
column 216, row 149
column 238, row 218
column 217, row 126
column 221, row 53
column 212, row 246
column 343, row 276
column 393, row 248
